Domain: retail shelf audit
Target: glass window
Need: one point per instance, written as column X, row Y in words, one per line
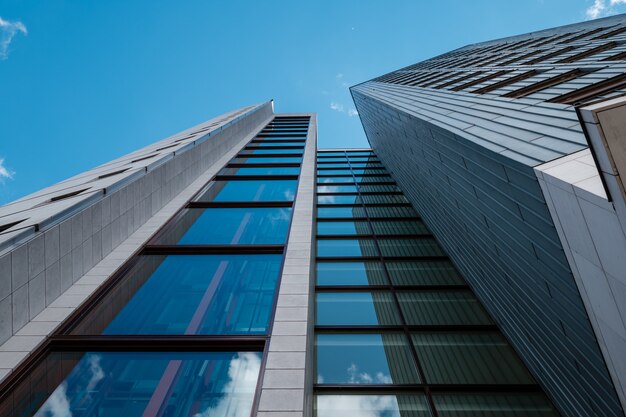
column 189, row 294
column 493, row 405
column 376, row 308
column 389, row 212
column 261, row 171
column 409, row 247
column 384, row 199
column 469, row 358
column 372, row 358
column 340, row 212
column 332, row 159
column 346, row 248
column 135, row 384
column 335, row 153
column 333, row 172
column 442, row 308
column 350, row 273
column 336, row 188
column 369, row 171
column 423, row 273
column 261, row 151
column 280, row 144
column 330, row 180
column 373, row 179
column 321, row 164
column 223, row 226
column 382, row 227
column 356, row 165
column 254, row 190
column 269, row 160
column 373, row 188
column 375, row 405
column 338, row 199
column 343, row 228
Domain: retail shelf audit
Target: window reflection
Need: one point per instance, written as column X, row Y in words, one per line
column 189, row 294
column 371, row 406
column 129, row 384
column 261, row 171
column 265, row 190
column 350, row 273
column 364, row 359
column 346, row 248
column 356, row 309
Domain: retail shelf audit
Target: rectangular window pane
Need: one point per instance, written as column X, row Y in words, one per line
column 336, row 189
column 338, row 199
column 469, row 358
column 381, row 405
column 356, row 309
column 372, row 358
column 387, row 212
column 409, row 247
column 346, row 248
column 265, row 190
column 343, row 228
column 442, row 308
column 321, row 164
column 261, row 171
column 384, row 199
column 423, row 273
column 494, row 405
column 189, row 294
column 223, row 226
column 381, row 178
column 331, row 180
column 340, row 212
column 373, row 188
column 333, row 172
column 269, row 160
column 274, row 145
column 350, row 273
column 135, row 384
column 382, row 228
column 262, row 151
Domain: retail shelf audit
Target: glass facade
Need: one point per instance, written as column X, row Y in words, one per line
column 181, row 329
column 397, row 330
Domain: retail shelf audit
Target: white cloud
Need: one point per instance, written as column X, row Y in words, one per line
column 8, row 30
column 337, row 107
column 352, row 112
column 5, row 173
column 601, row 8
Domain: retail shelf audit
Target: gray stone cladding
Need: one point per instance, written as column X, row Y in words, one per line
column 286, row 389
column 58, row 242
column 478, row 194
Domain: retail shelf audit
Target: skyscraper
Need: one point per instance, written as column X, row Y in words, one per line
column 234, row 269
column 511, row 151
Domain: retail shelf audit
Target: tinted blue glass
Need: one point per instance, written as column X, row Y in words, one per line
column 136, row 384
column 330, row 180
column 268, row 160
column 350, row 273
column 343, row 228
column 356, row 309
column 275, row 144
column 400, row 405
column 364, row 359
column 338, row 165
column 327, row 212
column 349, row 248
column 253, row 190
column 260, row 151
column 338, row 199
column 334, row 172
column 222, row 226
column 202, row 294
column 336, row 188
column 261, row 171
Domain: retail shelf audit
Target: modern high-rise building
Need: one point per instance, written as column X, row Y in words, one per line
column 468, row 265
column 513, row 153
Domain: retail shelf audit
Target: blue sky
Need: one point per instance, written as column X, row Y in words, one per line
column 83, row 82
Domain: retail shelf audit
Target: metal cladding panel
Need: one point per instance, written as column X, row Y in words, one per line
column 483, row 203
